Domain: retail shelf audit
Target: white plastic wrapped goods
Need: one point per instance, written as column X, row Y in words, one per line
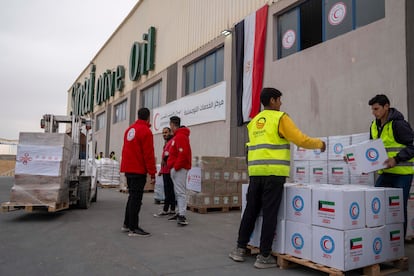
column 39, row 160
column 108, row 171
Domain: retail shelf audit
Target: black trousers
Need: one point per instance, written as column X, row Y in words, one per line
column 264, row 193
column 136, row 183
column 169, row 201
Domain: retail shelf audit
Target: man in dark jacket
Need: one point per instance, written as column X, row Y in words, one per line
column 138, row 160
column 179, row 161
column 398, row 137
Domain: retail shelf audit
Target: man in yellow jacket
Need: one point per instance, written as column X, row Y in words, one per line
column 270, row 134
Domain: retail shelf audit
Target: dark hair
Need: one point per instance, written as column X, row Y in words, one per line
column 267, row 94
column 380, row 99
column 175, row 120
column 169, row 129
column 143, row 113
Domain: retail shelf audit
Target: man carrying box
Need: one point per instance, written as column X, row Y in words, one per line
column 268, row 156
column 397, row 136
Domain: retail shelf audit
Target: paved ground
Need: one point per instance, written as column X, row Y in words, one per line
column 89, row 242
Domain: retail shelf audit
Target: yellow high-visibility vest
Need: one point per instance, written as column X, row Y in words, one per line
column 392, row 147
column 268, row 153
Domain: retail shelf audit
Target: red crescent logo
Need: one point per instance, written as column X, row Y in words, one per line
column 155, row 121
column 326, row 243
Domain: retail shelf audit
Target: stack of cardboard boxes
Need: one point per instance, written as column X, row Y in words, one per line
column 344, row 227
column 216, row 182
column 340, row 226
column 312, row 166
column 42, row 162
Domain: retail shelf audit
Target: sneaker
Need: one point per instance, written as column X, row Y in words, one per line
column 161, row 214
column 124, row 228
column 238, row 254
column 138, row 233
column 265, row 262
column 173, row 217
column 182, row 220
column 172, row 212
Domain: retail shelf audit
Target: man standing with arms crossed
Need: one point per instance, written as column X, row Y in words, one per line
column 179, row 161
column 169, row 200
column 138, row 160
column 398, row 137
column 270, row 134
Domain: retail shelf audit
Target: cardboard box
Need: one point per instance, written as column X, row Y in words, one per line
column 362, row 179
column 300, row 153
column 336, row 146
column 278, row 244
column 375, row 207
column 366, row 157
column 376, row 243
column 343, row 250
column 316, row 154
column 338, row 207
column 318, row 172
column 231, row 187
column 220, row 188
column 394, row 209
column 299, row 203
column 394, row 242
column 298, row 241
column 338, row 172
column 359, row 138
column 203, row 199
column 207, row 186
column 301, row 171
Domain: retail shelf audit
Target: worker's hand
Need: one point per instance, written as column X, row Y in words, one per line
column 390, row 163
column 323, row 148
column 152, row 180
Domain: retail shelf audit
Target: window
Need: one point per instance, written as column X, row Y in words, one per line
column 204, row 72
column 151, row 96
column 120, row 112
column 100, row 121
column 315, row 21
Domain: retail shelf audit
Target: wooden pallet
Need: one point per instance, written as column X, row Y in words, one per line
column 387, row 268
column 125, row 191
column 285, row 261
column 109, row 186
column 209, row 209
column 30, row 207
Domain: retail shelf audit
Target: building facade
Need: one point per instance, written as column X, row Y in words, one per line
column 327, row 57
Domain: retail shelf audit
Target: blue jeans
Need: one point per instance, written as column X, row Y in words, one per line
column 397, row 181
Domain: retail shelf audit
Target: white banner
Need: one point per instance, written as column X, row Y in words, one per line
column 38, row 160
column 208, row 106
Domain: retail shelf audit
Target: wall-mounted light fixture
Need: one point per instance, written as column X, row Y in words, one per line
column 226, row 32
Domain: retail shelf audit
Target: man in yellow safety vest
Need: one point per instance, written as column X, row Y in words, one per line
column 268, row 156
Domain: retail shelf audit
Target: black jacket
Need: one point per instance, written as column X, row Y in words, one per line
column 403, row 134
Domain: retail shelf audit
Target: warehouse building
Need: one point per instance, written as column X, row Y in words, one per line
column 206, row 61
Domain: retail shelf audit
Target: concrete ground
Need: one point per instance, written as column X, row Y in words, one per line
column 89, row 242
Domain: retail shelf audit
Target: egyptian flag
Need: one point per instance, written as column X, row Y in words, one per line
column 250, row 48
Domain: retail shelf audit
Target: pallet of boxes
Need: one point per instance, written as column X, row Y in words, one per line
column 41, row 163
column 108, row 174
column 339, row 227
column 215, row 183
